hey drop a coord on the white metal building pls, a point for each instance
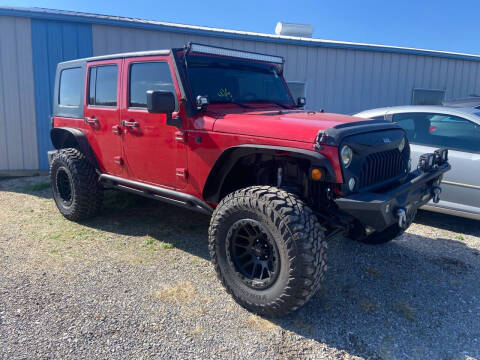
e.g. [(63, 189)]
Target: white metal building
[(340, 76)]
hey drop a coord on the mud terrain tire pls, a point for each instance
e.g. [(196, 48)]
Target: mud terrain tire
[(75, 186), (294, 235)]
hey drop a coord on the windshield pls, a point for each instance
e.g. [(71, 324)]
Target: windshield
[(236, 81)]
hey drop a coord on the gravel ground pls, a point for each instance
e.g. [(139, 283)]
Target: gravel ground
[(135, 282)]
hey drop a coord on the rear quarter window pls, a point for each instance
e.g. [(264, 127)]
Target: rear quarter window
[(71, 87)]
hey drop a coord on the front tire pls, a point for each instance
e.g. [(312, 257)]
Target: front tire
[(268, 249), (75, 186)]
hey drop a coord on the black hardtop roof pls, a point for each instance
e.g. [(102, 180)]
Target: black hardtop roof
[(117, 56)]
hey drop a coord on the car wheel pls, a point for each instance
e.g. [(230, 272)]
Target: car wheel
[(268, 249), (75, 186)]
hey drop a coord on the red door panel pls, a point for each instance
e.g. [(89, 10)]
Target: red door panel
[(155, 152), (102, 115)]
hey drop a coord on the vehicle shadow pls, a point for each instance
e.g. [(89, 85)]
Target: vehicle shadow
[(448, 222), (416, 297)]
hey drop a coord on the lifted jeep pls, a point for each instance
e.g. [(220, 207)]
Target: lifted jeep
[(216, 130)]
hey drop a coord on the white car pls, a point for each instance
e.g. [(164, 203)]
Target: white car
[(458, 129)]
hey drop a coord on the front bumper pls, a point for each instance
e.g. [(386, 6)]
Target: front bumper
[(379, 210)]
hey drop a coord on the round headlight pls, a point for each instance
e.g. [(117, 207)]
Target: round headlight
[(401, 146), (346, 154)]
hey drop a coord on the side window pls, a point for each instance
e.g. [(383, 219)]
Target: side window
[(440, 130), (455, 132), (148, 76), (407, 122), (71, 84), (102, 88)]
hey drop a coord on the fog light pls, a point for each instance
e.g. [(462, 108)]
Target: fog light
[(351, 184), (426, 161), (441, 156)]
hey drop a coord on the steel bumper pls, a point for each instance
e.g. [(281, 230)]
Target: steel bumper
[(379, 210)]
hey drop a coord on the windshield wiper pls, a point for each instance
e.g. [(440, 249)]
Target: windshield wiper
[(273, 102), (232, 102)]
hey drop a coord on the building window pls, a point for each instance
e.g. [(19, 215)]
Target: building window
[(428, 97), (71, 84), (148, 76), (103, 85)]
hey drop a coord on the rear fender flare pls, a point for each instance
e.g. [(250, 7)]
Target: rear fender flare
[(229, 158), (64, 137)]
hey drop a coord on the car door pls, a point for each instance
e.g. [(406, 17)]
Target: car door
[(102, 116), (155, 152), (430, 131)]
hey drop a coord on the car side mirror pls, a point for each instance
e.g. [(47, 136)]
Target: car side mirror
[(301, 102), (163, 102)]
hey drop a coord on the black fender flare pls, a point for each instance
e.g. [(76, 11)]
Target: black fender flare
[(230, 156), (63, 137)]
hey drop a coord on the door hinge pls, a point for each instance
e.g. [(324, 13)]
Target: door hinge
[(118, 160), (181, 173), (180, 137)]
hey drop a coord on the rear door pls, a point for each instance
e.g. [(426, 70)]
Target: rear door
[(430, 131), (155, 152), (102, 114)]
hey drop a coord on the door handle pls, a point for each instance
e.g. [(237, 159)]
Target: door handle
[(91, 120), (130, 123)]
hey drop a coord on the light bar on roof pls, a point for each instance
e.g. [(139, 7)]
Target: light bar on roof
[(235, 53)]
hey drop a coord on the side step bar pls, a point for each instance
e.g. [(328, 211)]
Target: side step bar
[(154, 192)]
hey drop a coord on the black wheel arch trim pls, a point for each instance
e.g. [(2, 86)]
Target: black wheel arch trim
[(59, 137), (230, 156)]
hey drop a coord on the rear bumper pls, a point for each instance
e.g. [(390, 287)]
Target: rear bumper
[(379, 209)]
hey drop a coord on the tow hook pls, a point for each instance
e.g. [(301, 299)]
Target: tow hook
[(436, 194), (402, 218)]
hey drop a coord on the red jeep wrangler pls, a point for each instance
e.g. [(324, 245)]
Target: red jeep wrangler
[(216, 130)]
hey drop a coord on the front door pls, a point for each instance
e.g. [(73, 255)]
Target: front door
[(155, 152), (102, 114)]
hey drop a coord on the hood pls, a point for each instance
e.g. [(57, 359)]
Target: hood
[(279, 124)]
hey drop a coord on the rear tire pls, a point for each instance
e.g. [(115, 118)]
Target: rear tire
[(278, 234), (75, 186)]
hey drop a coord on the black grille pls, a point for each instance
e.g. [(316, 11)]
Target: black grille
[(381, 166)]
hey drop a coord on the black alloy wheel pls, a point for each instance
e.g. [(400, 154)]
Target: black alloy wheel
[(252, 253)]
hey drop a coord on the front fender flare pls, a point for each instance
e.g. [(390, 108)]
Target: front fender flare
[(227, 160)]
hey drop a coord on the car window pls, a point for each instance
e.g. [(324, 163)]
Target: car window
[(102, 90), (440, 130), (148, 76), (71, 84)]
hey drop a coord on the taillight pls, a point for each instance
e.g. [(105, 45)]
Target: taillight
[(432, 128)]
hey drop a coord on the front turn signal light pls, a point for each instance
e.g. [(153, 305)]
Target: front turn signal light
[(316, 174)]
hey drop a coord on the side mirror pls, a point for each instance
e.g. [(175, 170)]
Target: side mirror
[(301, 102), (163, 102)]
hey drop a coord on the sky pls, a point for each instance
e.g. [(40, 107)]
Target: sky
[(428, 24)]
